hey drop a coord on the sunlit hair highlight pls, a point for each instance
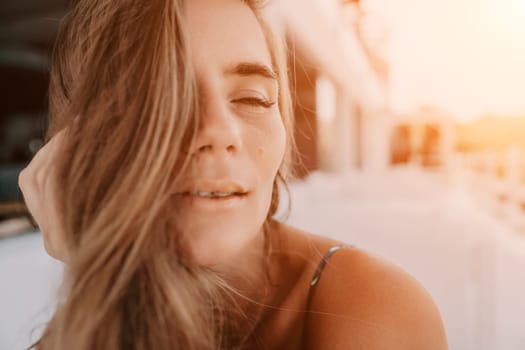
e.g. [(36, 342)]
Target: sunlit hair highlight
[(123, 90)]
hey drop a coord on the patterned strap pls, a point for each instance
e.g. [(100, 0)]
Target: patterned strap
[(322, 264)]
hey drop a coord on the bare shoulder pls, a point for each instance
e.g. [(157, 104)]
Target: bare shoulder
[(364, 302)]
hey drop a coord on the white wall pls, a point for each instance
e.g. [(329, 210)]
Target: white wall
[(28, 281)]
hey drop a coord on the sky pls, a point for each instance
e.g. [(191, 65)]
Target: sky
[(465, 56)]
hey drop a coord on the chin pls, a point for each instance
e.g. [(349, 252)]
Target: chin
[(217, 246)]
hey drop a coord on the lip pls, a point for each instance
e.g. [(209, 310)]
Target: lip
[(209, 185), (189, 196), (196, 202)]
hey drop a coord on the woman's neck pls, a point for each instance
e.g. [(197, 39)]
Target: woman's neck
[(248, 271)]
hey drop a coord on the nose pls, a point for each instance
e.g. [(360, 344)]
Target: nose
[(219, 129)]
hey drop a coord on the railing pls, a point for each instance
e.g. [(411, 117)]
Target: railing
[(497, 180)]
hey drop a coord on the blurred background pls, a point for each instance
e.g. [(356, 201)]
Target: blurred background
[(410, 125)]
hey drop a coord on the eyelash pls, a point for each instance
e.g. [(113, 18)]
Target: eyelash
[(255, 101)]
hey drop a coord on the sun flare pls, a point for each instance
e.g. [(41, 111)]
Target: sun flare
[(509, 15)]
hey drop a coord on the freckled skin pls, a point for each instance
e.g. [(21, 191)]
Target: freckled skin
[(239, 141)]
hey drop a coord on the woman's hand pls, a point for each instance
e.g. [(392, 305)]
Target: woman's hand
[(39, 185)]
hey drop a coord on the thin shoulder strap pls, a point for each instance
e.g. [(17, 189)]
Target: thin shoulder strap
[(317, 274)]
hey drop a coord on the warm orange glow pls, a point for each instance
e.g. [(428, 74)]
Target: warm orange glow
[(491, 133), (464, 56)]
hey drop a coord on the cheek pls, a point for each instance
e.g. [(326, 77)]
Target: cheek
[(271, 149)]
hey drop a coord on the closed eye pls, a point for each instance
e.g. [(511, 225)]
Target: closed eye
[(255, 101)]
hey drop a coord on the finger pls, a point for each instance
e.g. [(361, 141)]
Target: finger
[(39, 170), (36, 180), (49, 150)]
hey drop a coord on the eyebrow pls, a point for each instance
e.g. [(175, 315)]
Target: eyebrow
[(252, 68)]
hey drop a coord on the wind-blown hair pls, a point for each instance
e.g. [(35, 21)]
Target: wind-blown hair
[(123, 89)]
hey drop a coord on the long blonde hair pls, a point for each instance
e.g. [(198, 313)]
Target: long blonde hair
[(122, 86)]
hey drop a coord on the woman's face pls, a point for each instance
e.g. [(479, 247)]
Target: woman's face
[(240, 144)]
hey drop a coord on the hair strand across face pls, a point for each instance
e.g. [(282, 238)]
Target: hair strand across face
[(123, 86)]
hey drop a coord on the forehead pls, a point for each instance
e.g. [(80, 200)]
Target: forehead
[(224, 32)]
